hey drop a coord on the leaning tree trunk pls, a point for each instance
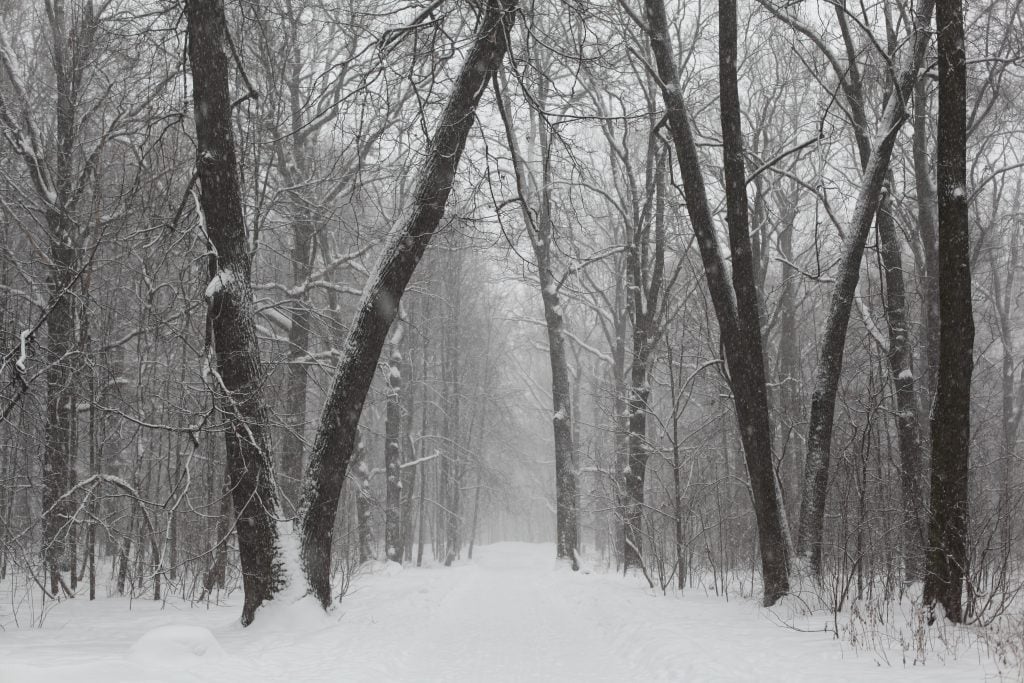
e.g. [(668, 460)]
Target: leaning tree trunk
[(833, 341), (898, 351), (332, 447), (951, 414), (746, 368), (239, 378)]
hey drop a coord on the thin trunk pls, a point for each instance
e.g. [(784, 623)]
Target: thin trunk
[(902, 374), (541, 233), (364, 502), (833, 341), (297, 377), (393, 457), (476, 515), (927, 227)]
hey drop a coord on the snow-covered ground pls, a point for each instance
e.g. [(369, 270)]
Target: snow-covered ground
[(509, 615)]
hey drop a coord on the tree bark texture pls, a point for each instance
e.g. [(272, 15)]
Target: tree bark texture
[(951, 416)]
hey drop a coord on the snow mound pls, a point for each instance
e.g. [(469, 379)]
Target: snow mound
[(177, 643)]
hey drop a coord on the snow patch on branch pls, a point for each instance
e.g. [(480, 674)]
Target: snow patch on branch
[(222, 279), (19, 364)]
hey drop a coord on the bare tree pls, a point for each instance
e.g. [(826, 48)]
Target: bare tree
[(951, 414)]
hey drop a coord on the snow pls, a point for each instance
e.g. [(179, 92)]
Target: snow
[(23, 355), (218, 282), (176, 643), (510, 614), (905, 373)]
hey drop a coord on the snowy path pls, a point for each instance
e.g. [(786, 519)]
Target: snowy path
[(507, 616)]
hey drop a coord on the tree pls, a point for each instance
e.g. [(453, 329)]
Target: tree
[(239, 371), (332, 447), (951, 413), (239, 377), (535, 201), (833, 339), (735, 305)]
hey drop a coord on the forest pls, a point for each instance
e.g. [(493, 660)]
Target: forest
[(694, 298)]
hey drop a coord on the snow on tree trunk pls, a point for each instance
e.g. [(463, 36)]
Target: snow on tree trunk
[(951, 414), (332, 447)]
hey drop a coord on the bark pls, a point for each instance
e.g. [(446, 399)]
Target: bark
[(239, 377), (833, 341), (746, 369), (332, 447), (951, 424)]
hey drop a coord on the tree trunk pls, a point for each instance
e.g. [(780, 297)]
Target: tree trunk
[(239, 378), (60, 400), (364, 502), (332, 447), (746, 368), (393, 457), (901, 371), (833, 341), (951, 423), (541, 233), (927, 227)]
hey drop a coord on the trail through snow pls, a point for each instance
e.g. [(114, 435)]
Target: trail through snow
[(509, 615)]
